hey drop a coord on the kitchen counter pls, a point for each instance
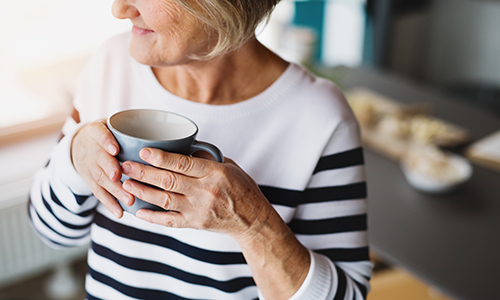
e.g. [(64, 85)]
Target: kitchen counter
[(450, 241)]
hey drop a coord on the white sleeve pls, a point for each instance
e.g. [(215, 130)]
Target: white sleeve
[(62, 164), (332, 222), (317, 284)]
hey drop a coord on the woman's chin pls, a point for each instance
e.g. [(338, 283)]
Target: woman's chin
[(145, 57), (140, 55)]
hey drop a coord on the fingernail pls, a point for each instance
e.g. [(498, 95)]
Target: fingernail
[(113, 174), (117, 213), (145, 153), (126, 168), (112, 149), (130, 200)]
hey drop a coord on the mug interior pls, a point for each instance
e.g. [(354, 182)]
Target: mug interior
[(153, 124)]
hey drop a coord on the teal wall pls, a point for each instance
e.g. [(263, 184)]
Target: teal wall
[(311, 14)]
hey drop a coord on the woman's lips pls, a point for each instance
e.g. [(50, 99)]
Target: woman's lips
[(141, 31)]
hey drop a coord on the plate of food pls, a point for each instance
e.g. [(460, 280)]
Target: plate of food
[(434, 171), (393, 128)]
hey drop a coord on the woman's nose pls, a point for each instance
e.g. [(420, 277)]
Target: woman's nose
[(124, 9)]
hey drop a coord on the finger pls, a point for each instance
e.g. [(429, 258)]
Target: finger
[(170, 219), (163, 179), (104, 137), (110, 165), (107, 200), (166, 200), (183, 164), (113, 188)]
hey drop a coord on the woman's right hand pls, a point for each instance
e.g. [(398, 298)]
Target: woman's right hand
[(93, 151)]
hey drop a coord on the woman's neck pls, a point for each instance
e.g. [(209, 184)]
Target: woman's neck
[(229, 79)]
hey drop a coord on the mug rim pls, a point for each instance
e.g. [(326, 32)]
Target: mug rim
[(111, 127)]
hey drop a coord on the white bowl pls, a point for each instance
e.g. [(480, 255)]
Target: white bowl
[(433, 185)]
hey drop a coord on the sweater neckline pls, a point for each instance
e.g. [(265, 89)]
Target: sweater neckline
[(220, 113)]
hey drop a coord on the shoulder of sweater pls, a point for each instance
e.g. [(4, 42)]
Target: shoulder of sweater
[(321, 97)]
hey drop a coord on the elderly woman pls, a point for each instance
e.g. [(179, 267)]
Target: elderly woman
[(283, 218)]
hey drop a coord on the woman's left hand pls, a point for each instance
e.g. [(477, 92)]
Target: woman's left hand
[(197, 193)]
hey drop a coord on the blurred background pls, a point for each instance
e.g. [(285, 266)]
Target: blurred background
[(451, 45)]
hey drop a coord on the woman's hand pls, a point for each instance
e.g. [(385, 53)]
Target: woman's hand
[(204, 194), (92, 150), (197, 193)]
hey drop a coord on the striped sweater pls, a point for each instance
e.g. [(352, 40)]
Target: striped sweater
[(298, 140)]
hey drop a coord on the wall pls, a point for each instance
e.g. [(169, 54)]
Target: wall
[(464, 43), (317, 31), (449, 42)]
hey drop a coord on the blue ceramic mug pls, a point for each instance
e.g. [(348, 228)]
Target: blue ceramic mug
[(136, 129)]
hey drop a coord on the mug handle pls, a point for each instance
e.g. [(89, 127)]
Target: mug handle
[(211, 149)]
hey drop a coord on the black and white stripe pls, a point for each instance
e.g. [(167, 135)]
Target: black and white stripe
[(328, 219)]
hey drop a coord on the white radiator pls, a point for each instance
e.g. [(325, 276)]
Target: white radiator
[(22, 253)]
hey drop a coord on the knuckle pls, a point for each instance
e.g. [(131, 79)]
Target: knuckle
[(100, 132), (167, 181), (100, 178), (166, 201), (204, 224), (184, 163), (94, 126), (107, 135), (169, 222), (221, 172), (141, 174), (89, 126), (215, 194), (221, 175)]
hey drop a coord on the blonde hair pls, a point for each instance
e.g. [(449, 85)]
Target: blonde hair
[(234, 21)]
